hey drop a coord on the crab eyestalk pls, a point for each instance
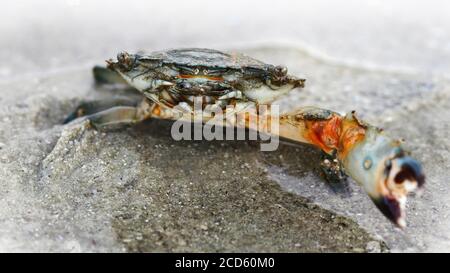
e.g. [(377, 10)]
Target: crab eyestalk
[(378, 163), (125, 62), (279, 77)]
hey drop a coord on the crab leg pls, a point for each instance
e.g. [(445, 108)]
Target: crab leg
[(114, 112), (93, 107), (120, 115)]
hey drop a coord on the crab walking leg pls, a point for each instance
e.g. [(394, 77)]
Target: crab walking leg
[(120, 115), (93, 107), (99, 117)]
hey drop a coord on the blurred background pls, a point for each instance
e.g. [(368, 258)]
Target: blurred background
[(401, 34), (388, 60)]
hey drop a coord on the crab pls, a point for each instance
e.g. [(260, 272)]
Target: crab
[(171, 81)]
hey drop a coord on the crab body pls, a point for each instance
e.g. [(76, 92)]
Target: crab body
[(177, 76)]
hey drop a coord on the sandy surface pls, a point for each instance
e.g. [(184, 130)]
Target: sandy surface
[(68, 188)]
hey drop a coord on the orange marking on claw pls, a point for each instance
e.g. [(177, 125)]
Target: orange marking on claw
[(352, 133), (324, 133)]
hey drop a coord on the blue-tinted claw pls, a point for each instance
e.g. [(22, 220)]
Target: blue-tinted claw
[(402, 175), (387, 174)]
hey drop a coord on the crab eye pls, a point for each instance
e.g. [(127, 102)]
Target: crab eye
[(125, 60), (281, 70), (122, 57)]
